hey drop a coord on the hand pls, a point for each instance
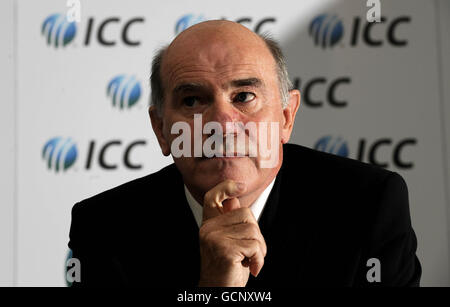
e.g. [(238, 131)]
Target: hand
[(231, 243)]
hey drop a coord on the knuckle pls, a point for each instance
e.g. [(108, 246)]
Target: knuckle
[(255, 245), (247, 211), (258, 258), (264, 249), (252, 231), (245, 214)]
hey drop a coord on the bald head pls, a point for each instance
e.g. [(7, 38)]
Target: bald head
[(216, 43), (215, 34), (215, 29)]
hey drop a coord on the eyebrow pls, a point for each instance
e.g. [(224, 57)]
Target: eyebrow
[(246, 82), (192, 86), (187, 87)]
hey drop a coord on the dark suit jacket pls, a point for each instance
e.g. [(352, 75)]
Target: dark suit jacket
[(325, 217)]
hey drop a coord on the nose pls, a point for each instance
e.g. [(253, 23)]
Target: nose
[(221, 111)]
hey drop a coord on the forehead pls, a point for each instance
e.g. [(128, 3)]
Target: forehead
[(217, 59)]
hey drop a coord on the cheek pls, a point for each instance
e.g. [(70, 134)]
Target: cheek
[(270, 118), (170, 121), (183, 132)]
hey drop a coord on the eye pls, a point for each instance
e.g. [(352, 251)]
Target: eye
[(190, 101), (244, 97)]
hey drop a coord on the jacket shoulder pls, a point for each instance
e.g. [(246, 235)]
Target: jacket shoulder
[(130, 193), (325, 166)]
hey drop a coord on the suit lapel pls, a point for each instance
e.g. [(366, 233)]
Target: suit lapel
[(287, 232)]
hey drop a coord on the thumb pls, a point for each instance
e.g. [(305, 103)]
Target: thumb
[(213, 199)]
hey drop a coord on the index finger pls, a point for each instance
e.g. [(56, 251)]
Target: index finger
[(212, 201)]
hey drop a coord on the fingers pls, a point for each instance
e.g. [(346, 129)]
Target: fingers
[(247, 232), (252, 244), (231, 243), (237, 216), (212, 203), (224, 190), (249, 245), (254, 256)]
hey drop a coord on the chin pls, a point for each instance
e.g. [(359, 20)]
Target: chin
[(212, 171)]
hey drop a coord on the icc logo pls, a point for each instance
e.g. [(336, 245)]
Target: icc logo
[(58, 31), (370, 151), (326, 30), (60, 153), (186, 21), (124, 91), (332, 145)]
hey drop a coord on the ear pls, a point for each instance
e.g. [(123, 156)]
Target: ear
[(289, 115), (157, 125)]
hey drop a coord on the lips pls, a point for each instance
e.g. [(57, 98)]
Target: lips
[(222, 152), (223, 156), (228, 146)]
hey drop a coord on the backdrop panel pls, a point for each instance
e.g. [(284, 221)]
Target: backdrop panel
[(370, 91), (443, 9), (7, 133)]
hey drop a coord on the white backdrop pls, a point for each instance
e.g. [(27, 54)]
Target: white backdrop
[(354, 93), (7, 132), (443, 7)]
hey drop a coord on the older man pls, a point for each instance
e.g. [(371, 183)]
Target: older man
[(307, 219)]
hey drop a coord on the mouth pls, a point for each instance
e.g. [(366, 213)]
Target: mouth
[(225, 157), (221, 152)]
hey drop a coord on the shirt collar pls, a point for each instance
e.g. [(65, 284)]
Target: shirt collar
[(257, 207)]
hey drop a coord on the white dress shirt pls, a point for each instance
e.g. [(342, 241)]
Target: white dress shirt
[(257, 207)]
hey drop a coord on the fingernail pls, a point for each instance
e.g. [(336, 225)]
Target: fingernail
[(240, 185)]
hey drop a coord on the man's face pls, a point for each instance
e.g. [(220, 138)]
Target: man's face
[(226, 75)]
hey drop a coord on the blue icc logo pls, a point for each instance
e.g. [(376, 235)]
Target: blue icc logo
[(186, 21), (336, 146), (326, 30), (60, 153), (58, 31), (124, 91)]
